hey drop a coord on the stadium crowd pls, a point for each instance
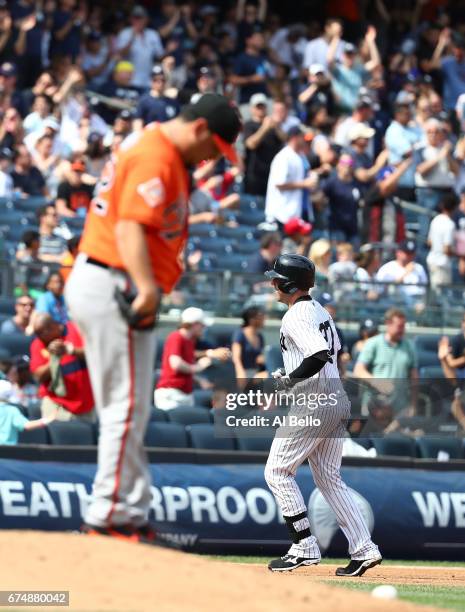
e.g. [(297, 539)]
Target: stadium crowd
[(352, 151)]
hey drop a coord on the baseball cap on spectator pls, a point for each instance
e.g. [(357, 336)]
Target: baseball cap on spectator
[(458, 40), (208, 9), (257, 99), (6, 153), (94, 137), (8, 69), (78, 166), (360, 130), (295, 130), (205, 71), (384, 173), (349, 48), (404, 98), (94, 36), (408, 246), (297, 226), (157, 70), (223, 119), (368, 326), (326, 299), (51, 123), (139, 12), (317, 69), (124, 66), (6, 390), (193, 315), (125, 115)]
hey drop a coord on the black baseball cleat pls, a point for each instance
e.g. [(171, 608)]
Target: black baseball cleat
[(358, 568), (290, 562)]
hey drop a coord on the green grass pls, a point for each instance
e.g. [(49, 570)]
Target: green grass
[(452, 598), (264, 560)]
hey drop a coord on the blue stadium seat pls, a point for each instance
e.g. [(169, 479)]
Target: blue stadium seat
[(429, 447), (253, 444), (365, 442), (15, 344), (202, 435), (15, 232), (166, 435), (431, 372), (396, 445), (33, 410), (188, 416), (7, 305), (72, 433), (11, 216), (158, 416), (32, 203), (247, 247), (427, 358), (241, 232), (34, 436), (273, 358), (427, 343), (233, 263), (203, 397), (202, 229)]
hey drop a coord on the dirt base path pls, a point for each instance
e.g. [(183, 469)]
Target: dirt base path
[(104, 574)]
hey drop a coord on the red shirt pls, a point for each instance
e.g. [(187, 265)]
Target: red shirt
[(177, 344), (79, 399)]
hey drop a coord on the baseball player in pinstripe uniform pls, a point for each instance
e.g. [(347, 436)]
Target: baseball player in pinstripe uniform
[(309, 345)]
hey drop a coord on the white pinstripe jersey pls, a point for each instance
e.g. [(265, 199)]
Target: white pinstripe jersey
[(307, 328)]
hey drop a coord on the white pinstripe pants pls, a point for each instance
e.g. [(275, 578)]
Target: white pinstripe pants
[(324, 455)]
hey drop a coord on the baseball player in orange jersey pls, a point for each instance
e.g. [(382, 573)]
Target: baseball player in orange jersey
[(131, 251)]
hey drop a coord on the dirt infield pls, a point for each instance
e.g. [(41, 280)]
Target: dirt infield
[(103, 574)]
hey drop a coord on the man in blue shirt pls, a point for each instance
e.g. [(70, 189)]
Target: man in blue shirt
[(155, 106), (251, 69), (52, 301), (452, 66)]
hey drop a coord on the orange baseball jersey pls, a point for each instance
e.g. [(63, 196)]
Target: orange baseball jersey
[(146, 182)]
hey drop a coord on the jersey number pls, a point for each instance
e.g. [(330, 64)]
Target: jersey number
[(330, 340)]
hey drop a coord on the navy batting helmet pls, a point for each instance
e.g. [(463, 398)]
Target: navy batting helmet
[(293, 272)]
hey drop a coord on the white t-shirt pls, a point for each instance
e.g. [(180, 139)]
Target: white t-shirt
[(287, 167), (440, 175), (145, 49), (441, 234), (392, 270)]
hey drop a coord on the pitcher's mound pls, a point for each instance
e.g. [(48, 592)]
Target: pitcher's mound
[(105, 574)]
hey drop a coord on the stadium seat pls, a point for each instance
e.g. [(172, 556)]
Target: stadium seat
[(396, 445), (158, 416), (32, 203), (7, 305), (232, 263), (188, 415), (241, 232), (33, 410), (365, 442), (431, 372), (34, 436), (202, 229), (15, 232), (247, 247), (251, 217), (15, 344), (72, 433), (166, 435), (273, 358), (427, 343), (253, 444), (429, 447), (203, 397), (202, 435), (427, 358)]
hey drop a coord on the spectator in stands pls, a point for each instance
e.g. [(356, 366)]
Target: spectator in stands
[(97, 60), (362, 113), (28, 270), (73, 195), (343, 195), (52, 245), (6, 182), (289, 182), (250, 69), (249, 18), (247, 345), (263, 139), (176, 24), (441, 239), (318, 92), (329, 303), (121, 94), (348, 76), (270, 247), (24, 389), (367, 330), (67, 25), (320, 254), (401, 137), (52, 301), (20, 322), (344, 268), (452, 354), (155, 105), (316, 51), (180, 361), (140, 45), (210, 201), (13, 421), (459, 219), (406, 272), (389, 355), (297, 236), (13, 97), (368, 261), (365, 167), (58, 364), (11, 130), (27, 179), (452, 66), (69, 257), (41, 109)]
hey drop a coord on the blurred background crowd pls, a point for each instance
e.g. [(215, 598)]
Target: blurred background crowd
[(352, 152)]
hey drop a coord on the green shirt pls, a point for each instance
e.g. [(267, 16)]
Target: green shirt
[(11, 422), (388, 360)]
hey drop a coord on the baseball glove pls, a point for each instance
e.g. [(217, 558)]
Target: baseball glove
[(135, 320)]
